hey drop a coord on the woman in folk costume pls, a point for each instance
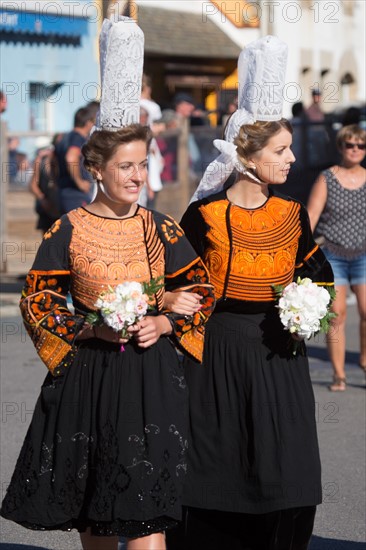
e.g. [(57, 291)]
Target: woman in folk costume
[(106, 449), (253, 477)]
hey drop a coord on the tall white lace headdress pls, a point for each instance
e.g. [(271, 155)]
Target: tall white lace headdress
[(261, 73), (121, 46)]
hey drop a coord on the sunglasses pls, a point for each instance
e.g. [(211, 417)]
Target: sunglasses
[(349, 145)]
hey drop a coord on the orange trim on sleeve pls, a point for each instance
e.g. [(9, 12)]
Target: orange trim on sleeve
[(56, 272), (183, 268), (307, 256), (311, 252)]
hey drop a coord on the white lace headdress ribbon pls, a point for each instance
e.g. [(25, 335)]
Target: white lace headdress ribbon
[(218, 171), (261, 73), (121, 46)]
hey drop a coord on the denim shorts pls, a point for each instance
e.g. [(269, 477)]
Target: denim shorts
[(347, 271)]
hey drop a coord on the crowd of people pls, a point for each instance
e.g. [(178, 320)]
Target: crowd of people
[(314, 146), (220, 447)]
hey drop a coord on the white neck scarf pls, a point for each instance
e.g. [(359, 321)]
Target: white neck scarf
[(218, 171)]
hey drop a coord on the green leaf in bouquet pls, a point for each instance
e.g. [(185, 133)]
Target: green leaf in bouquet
[(332, 292), (296, 347), (325, 322), (94, 318), (153, 286), (278, 289), (124, 333)]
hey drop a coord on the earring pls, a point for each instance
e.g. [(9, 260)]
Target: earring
[(254, 168)]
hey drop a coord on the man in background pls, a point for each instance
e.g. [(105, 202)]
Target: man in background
[(314, 113), (74, 182), (153, 108), (184, 106)]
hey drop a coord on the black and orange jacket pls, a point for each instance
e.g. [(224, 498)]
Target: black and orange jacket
[(82, 254), (248, 251)]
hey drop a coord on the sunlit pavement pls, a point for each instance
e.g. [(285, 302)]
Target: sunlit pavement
[(340, 420)]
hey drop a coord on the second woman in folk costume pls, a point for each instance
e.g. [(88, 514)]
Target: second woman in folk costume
[(106, 449), (253, 476)]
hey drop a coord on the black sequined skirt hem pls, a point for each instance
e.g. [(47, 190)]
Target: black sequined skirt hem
[(121, 528)]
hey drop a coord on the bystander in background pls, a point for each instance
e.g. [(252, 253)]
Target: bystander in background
[(318, 142), (167, 144), (24, 170), (230, 109), (43, 185), (153, 108), (337, 207), (74, 183), (153, 184), (184, 106), (3, 102), (314, 112)]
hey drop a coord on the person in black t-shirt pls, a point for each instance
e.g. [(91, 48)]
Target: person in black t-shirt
[(74, 182)]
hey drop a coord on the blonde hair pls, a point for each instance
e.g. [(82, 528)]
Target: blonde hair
[(349, 132)]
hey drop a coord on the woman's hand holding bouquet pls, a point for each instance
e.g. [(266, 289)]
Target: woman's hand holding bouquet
[(304, 308), (121, 314)]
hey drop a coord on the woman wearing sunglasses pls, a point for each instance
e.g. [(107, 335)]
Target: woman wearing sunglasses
[(337, 207)]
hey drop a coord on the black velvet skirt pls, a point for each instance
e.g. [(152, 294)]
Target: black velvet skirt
[(253, 444), (107, 445)]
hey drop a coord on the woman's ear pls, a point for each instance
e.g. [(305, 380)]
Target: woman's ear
[(96, 173), (250, 164)]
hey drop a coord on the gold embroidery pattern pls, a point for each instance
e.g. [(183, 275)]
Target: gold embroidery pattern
[(106, 252), (48, 321), (189, 329), (55, 227), (51, 350), (172, 231), (156, 253), (264, 247)]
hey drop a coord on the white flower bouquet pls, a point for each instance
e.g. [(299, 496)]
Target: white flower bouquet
[(304, 307), (124, 305)]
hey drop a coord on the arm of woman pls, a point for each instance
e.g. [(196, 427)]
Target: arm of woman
[(317, 200), (185, 303), (50, 324), (194, 228), (310, 259), (148, 331), (34, 182), (186, 273)]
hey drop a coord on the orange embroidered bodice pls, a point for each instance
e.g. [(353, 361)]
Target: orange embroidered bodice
[(250, 250), (106, 251)]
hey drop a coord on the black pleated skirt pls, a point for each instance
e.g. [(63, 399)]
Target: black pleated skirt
[(253, 441), (107, 444)]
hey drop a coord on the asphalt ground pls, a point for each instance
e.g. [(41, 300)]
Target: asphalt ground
[(340, 520)]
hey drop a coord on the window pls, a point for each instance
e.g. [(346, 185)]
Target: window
[(39, 93)]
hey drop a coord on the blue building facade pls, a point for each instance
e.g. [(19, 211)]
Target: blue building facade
[(49, 65)]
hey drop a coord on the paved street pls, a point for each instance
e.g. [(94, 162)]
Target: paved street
[(340, 417)]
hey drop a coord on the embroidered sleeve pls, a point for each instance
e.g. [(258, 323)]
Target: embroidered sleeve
[(310, 259), (50, 324), (194, 227), (185, 271)]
